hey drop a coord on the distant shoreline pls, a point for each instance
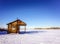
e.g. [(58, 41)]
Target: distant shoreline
[(49, 28)]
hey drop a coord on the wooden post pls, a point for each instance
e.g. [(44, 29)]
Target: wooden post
[(25, 28), (19, 29)]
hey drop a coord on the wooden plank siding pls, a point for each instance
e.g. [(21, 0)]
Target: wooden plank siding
[(13, 27)]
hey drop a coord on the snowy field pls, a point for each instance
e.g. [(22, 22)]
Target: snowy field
[(32, 37)]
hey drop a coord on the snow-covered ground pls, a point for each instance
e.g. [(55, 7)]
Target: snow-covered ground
[(32, 37)]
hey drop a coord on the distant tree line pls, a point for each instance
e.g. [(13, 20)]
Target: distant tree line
[(49, 28), (3, 29)]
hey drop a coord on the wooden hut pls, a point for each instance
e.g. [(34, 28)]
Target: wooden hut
[(14, 27)]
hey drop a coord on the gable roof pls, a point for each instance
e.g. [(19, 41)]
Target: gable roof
[(18, 20)]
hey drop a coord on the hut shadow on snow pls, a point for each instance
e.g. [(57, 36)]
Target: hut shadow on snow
[(30, 32), (22, 32)]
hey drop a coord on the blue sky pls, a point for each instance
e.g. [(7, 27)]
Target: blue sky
[(36, 13)]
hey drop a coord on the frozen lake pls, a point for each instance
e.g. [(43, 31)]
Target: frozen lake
[(32, 37)]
